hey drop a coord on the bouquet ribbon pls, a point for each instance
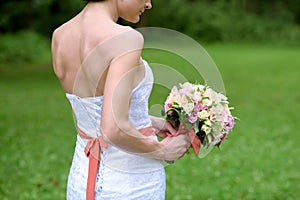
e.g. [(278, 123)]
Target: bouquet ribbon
[(195, 141), (93, 152)]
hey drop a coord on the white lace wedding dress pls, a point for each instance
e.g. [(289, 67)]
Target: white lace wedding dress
[(121, 176)]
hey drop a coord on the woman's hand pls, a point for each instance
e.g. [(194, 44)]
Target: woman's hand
[(162, 127), (178, 145)]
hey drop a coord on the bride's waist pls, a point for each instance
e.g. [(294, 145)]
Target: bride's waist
[(118, 159)]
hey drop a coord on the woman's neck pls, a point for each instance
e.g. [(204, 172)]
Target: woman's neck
[(104, 10)]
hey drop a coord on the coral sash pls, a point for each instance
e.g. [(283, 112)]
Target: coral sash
[(93, 152)]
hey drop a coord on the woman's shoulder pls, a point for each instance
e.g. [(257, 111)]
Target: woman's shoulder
[(67, 30), (120, 29), (121, 33), (116, 40), (125, 39), (131, 35)]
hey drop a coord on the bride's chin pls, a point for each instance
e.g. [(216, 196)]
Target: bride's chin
[(134, 20)]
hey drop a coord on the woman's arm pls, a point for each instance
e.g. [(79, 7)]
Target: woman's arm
[(124, 73)]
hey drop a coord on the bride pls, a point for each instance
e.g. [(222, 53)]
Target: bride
[(98, 63)]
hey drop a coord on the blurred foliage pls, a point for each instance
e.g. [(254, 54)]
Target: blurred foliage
[(233, 20), (24, 46), (207, 20), (42, 16)]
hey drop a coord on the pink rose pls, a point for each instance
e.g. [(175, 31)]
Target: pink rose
[(199, 107), (193, 117), (229, 124)]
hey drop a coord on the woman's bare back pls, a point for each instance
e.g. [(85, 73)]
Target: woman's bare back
[(83, 49)]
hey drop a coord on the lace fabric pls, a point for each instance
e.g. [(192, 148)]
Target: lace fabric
[(113, 183)]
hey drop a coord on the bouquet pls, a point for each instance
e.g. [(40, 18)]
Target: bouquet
[(202, 108)]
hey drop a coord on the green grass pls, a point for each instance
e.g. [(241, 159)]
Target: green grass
[(260, 160)]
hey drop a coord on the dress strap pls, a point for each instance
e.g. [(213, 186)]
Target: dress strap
[(93, 152)]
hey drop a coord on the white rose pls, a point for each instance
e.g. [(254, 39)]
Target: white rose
[(198, 87), (222, 97), (206, 129), (197, 96), (207, 122), (206, 102), (203, 114)]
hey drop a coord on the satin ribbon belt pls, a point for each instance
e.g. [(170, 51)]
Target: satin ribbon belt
[(93, 152)]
